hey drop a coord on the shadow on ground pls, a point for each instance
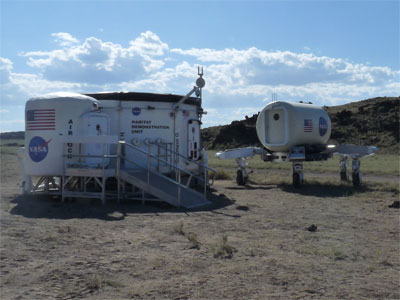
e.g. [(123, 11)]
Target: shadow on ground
[(309, 189), (252, 187), (325, 189), (42, 206)]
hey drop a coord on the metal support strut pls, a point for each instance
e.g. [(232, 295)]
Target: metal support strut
[(356, 172), (242, 174), (298, 177), (343, 163)]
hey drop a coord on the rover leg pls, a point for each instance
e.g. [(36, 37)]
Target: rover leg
[(356, 173), (343, 167), (242, 174), (298, 177)]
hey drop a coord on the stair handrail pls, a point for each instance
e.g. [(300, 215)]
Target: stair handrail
[(157, 173), (161, 160), (191, 161), (120, 155)]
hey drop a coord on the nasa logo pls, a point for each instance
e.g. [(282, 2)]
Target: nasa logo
[(38, 148), (136, 111), (323, 126)]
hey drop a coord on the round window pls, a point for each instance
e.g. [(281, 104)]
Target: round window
[(276, 117)]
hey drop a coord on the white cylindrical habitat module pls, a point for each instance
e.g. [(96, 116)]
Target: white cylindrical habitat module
[(49, 119), (281, 125)]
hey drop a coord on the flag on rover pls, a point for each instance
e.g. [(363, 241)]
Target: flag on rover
[(307, 125), (41, 119)]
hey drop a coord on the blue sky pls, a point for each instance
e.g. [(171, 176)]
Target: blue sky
[(328, 52)]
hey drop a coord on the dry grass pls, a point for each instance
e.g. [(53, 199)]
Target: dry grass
[(178, 228), (83, 250), (194, 241), (222, 249), (223, 175), (381, 164)]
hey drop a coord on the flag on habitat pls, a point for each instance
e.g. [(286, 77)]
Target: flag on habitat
[(307, 125), (41, 119)]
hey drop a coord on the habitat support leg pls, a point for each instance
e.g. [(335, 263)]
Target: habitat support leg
[(298, 177), (119, 190), (103, 190), (343, 167), (63, 183), (242, 174), (26, 184), (356, 172)]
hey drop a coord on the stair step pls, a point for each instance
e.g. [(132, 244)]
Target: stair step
[(161, 187)]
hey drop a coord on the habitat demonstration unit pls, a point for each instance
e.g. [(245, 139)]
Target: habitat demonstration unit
[(121, 145), (297, 132)]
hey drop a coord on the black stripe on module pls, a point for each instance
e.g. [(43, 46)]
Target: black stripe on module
[(150, 97)]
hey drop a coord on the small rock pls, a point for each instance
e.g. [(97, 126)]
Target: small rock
[(243, 207), (312, 228), (395, 204)]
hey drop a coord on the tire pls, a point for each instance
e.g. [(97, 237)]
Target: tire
[(356, 179), (296, 180), (240, 179), (343, 176)]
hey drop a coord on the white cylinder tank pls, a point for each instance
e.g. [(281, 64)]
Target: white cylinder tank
[(48, 120), (281, 125)]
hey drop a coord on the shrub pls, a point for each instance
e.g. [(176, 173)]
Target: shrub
[(222, 249), (178, 228), (192, 238)]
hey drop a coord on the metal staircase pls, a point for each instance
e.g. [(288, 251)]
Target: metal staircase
[(174, 189), (162, 188), (151, 177)]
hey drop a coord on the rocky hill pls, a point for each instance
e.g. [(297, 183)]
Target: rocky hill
[(369, 122)]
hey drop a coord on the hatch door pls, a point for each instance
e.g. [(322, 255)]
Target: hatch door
[(275, 133), (97, 125)]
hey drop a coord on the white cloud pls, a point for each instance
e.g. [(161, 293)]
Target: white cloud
[(148, 43), (98, 62), (5, 69), (64, 39), (258, 67), (237, 81)]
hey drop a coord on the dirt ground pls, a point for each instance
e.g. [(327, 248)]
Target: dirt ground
[(83, 250)]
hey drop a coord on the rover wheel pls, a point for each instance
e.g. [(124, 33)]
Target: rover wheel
[(240, 179), (343, 176), (296, 180), (356, 179)]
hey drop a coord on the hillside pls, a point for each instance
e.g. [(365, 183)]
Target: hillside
[(14, 135), (369, 122)]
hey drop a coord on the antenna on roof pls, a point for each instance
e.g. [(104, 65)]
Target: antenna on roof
[(200, 71), (274, 96), (200, 83)]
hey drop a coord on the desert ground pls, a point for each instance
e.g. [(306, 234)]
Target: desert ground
[(251, 243)]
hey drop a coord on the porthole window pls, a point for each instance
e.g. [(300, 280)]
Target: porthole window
[(276, 117)]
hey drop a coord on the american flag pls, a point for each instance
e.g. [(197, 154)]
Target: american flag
[(185, 113), (307, 125), (41, 119)]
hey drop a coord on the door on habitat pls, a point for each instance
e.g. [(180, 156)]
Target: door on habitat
[(194, 139), (97, 125)]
